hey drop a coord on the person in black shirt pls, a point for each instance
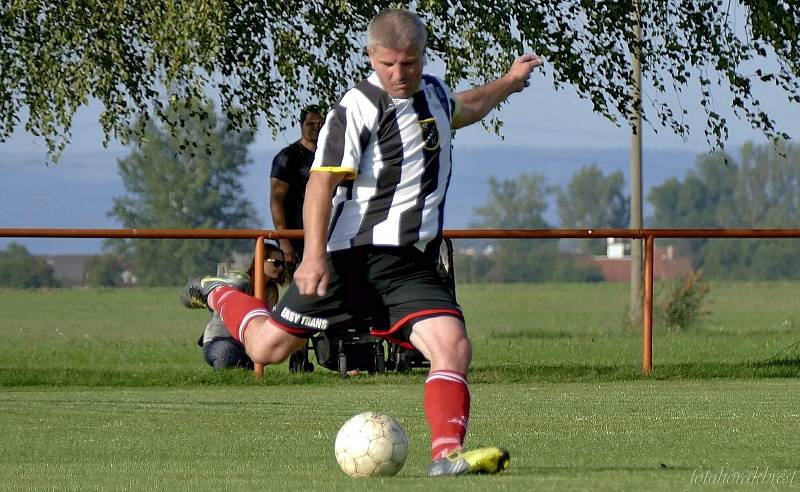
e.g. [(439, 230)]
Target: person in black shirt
[(288, 178)]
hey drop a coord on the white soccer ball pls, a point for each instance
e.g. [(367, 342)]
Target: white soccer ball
[(371, 445)]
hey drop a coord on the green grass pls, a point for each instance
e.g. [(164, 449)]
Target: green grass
[(106, 390), (608, 436)]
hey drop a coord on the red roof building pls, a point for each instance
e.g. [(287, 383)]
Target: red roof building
[(616, 267)]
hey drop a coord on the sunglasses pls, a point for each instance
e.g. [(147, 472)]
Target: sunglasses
[(277, 263)]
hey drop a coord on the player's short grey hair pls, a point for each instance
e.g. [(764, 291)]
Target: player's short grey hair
[(397, 29)]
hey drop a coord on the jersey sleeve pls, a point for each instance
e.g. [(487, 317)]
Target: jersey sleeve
[(453, 104), (280, 166), (342, 139), (447, 99)]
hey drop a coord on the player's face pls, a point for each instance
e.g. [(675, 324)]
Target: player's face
[(310, 127), (398, 70)]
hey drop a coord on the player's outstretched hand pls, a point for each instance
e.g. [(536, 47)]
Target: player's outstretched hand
[(521, 69), (311, 277)]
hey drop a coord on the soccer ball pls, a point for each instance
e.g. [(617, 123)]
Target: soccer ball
[(371, 445)]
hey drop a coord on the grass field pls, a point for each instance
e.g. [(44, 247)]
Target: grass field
[(106, 390)]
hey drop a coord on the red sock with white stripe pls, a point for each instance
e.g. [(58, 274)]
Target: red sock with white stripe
[(446, 403), (236, 309)]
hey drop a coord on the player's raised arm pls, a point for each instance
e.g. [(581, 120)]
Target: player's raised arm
[(473, 104)]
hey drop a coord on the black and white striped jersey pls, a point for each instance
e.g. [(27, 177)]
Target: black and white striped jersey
[(396, 154)]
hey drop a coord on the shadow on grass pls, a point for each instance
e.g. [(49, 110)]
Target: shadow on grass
[(573, 470), (531, 334), (507, 373), (775, 368)]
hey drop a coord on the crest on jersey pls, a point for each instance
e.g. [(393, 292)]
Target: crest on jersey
[(430, 134)]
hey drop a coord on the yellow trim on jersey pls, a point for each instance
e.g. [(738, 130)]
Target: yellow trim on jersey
[(331, 169)]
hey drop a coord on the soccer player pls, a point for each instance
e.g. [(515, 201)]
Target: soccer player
[(384, 157), (288, 179)]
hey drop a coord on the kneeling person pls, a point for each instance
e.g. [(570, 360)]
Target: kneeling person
[(220, 349)]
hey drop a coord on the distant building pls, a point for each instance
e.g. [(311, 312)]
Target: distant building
[(615, 266), (72, 270), (69, 270), (617, 248), (128, 278)]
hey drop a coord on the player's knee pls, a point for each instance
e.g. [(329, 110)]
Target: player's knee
[(268, 353), (464, 349), (444, 342), (461, 352), (273, 349), (453, 354)]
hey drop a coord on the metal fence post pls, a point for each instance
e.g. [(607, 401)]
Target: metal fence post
[(647, 308), (258, 289)]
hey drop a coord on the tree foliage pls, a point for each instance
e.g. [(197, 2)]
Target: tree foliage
[(19, 269), (268, 57), (520, 204), (592, 200), (760, 189), (515, 204), (104, 271), (172, 184)]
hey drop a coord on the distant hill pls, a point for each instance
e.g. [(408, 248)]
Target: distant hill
[(79, 190)]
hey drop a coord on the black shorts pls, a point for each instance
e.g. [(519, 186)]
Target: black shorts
[(391, 287)]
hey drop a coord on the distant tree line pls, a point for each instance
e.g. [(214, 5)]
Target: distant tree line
[(21, 270), (759, 189), (590, 200), (520, 204), (170, 185)]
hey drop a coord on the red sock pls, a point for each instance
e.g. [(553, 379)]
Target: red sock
[(236, 309), (446, 403)]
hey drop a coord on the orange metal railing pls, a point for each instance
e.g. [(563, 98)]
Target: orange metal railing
[(648, 235)]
